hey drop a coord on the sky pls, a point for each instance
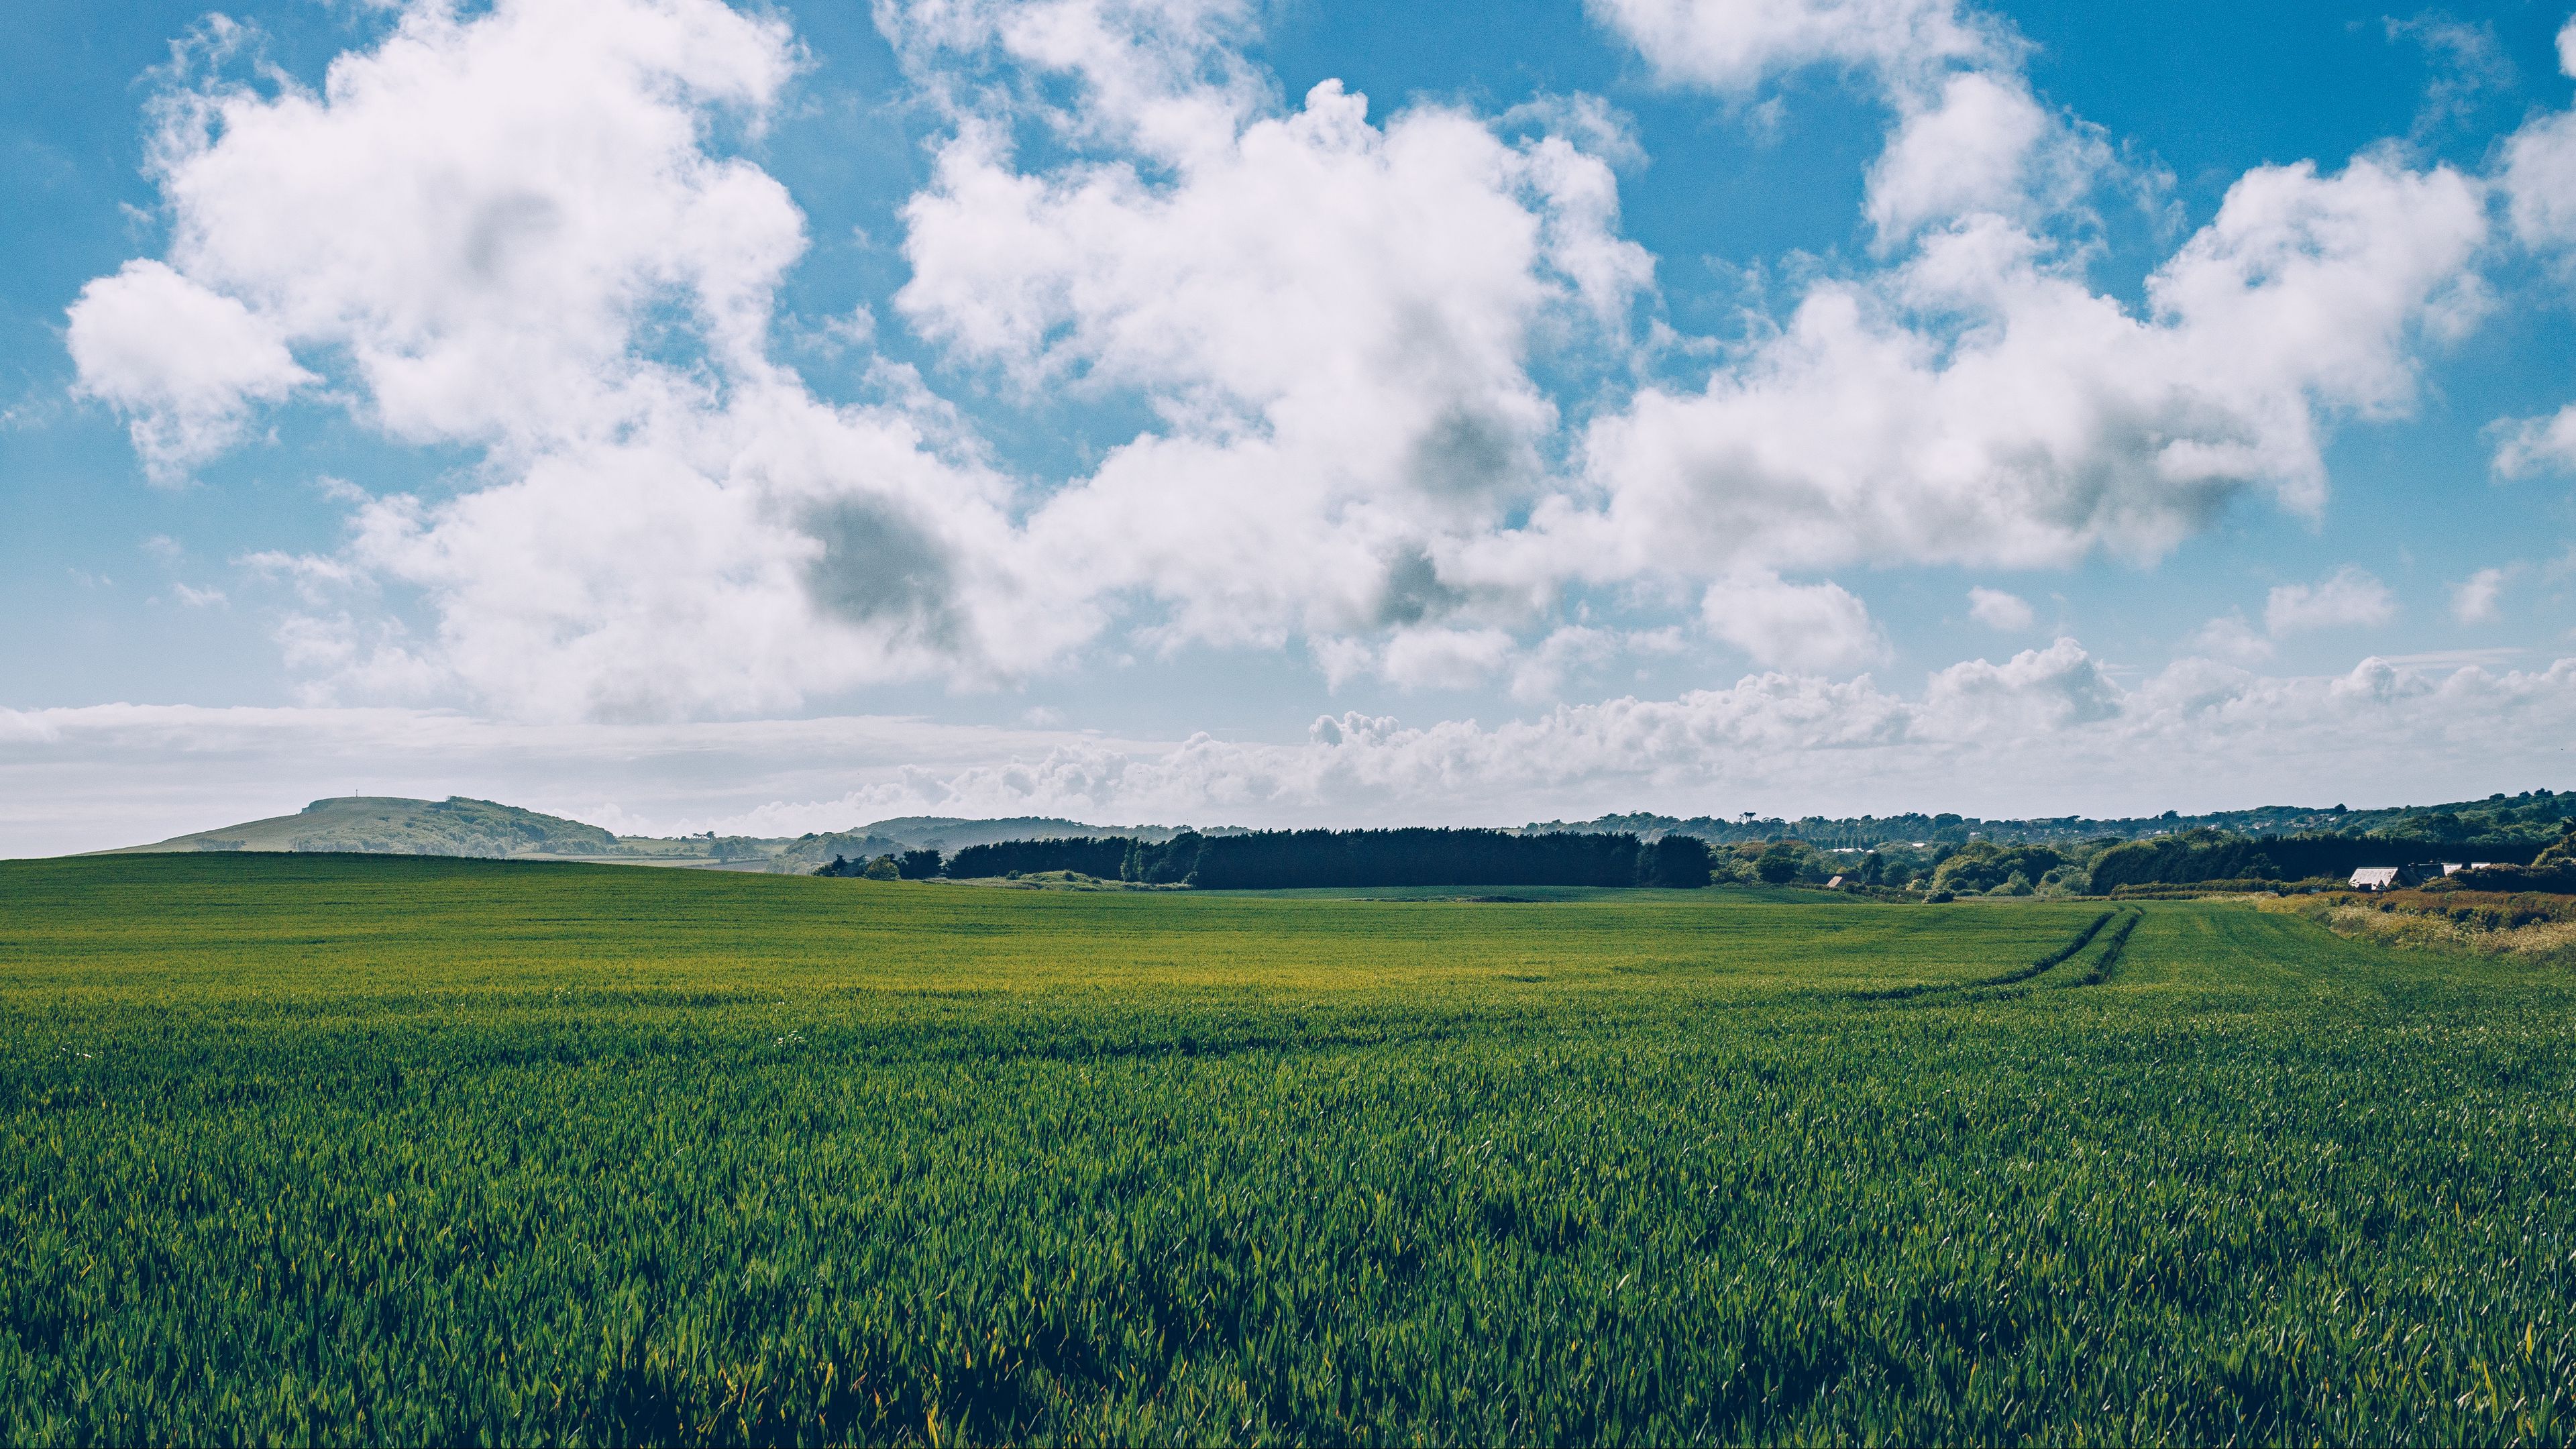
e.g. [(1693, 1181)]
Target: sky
[(769, 418)]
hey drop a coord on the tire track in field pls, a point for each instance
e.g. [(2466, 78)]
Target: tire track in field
[(2112, 951), (2014, 977), (2053, 959)]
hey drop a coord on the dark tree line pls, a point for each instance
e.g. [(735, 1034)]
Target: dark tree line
[(1286, 859), (1100, 855), (2178, 860)]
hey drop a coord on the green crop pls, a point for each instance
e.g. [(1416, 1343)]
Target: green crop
[(432, 1151)]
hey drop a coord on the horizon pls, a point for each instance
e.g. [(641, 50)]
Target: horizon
[(1748, 821), (1282, 415)]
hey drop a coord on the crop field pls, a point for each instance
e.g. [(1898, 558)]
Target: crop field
[(335, 1150)]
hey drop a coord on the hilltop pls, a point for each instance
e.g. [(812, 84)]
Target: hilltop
[(457, 826), (390, 825)]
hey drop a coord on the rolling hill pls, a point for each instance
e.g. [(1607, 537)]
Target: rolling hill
[(388, 825)]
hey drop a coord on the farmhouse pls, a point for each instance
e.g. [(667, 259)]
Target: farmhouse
[(2398, 877)]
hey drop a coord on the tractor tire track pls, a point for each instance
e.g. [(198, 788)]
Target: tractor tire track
[(2112, 951), (2014, 977)]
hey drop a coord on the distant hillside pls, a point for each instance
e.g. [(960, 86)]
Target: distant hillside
[(2533, 816), (386, 825)]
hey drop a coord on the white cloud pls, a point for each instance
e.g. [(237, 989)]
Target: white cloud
[(2465, 58), (2535, 445), (1541, 674), (1982, 144), (1999, 610), (1420, 658), (1976, 406), (2538, 179), (1978, 402), (2034, 692), (2347, 598), (184, 362), (477, 210), (2230, 639), (518, 231), (2474, 599), (511, 231), (507, 227), (1734, 47), (1334, 322), (1821, 627), (2041, 733)]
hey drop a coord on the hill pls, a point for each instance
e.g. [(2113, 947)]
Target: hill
[(389, 825)]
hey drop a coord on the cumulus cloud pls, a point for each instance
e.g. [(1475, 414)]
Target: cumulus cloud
[(2474, 599), (1999, 610), (1879, 426), (185, 363), (1333, 320), (511, 231), (2538, 179), (1978, 402), (2539, 174), (2349, 597), (516, 231), (2231, 639), (527, 232), (1735, 48), (2537, 445), (1820, 627), (1981, 143)]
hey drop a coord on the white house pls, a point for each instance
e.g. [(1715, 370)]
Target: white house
[(2399, 877)]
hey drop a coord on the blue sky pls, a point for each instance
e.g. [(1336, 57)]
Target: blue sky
[(692, 417)]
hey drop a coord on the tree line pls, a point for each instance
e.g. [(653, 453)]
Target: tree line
[(1289, 859), (1286, 859)]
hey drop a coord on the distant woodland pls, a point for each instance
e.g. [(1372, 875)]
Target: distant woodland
[(2520, 843)]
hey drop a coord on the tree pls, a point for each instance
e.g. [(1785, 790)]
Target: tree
[(1675, 862), (882, 868), (1780, 864)]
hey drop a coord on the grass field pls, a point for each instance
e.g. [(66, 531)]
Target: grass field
[(414, 1150)]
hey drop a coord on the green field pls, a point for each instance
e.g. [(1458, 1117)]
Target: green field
[(420, 1150)]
